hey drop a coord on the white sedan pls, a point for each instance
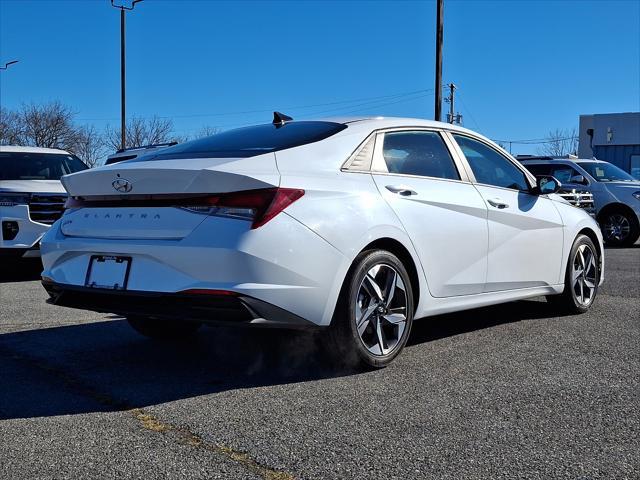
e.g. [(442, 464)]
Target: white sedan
[(356, 226)]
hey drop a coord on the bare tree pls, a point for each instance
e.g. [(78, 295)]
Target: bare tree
[(89, 145), (140, 132), (49, 125), (560, 142), (10, 127), (204, 131)]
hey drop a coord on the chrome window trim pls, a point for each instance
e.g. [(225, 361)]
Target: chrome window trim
[(379, 166)]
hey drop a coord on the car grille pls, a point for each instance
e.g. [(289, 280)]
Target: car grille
[(45, 208), (579, 198)]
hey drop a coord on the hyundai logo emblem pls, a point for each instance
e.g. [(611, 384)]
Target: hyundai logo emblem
[(122, 185)]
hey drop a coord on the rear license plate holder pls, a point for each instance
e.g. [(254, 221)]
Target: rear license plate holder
[(108, 271)]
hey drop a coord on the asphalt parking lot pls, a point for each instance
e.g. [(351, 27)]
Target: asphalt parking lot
[(511, 391)]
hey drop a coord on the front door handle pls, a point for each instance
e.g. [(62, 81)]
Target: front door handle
[(401, 190), (497, 202)]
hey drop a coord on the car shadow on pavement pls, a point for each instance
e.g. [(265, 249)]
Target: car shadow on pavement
[(106, 366), (25, 270)]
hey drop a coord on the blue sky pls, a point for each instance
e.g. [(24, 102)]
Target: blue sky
[(522, 67)]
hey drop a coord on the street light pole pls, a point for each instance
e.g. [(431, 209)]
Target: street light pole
[(439, 37), (6, 65), (123, 115)]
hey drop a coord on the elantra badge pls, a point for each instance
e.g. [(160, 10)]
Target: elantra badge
[(122, 185)]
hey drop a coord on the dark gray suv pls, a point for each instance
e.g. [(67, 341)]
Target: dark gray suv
[(616, 194)]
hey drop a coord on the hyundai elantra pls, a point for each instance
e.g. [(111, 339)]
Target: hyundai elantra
[(351, 226)]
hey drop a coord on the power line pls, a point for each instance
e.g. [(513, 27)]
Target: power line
[(299, 107), (464, 105), (367, 106), (536, 141)]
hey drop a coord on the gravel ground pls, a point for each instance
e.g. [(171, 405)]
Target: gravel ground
[(511, 391)]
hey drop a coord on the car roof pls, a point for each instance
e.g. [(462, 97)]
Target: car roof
[(20, 149), (375, 123)]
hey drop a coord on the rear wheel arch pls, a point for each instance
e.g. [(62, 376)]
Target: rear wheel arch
[(399, 250)]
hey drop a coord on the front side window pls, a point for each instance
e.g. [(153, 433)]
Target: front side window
[(489, 167), (418, 153), (38, 166), (563, 173)]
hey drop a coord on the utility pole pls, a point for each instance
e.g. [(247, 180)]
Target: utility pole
[(452, 117), (439, 38), (123, 116), (451, 114)]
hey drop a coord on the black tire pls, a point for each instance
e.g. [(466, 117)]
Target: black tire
[(620, 228), (163, 329), (569, 300), (343, 340)]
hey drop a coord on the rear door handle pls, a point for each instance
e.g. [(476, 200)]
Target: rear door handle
[(401, 190), (497, 202)]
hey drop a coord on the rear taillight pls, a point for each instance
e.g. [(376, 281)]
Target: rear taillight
[(259, 206)]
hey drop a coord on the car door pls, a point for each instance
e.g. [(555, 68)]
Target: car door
[(525, 230), (439, 208)]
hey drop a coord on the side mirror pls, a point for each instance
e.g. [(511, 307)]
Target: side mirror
[(547, 184), (578, 179)]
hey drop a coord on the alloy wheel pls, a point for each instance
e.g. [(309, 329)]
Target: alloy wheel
[(616, 227), (381, 309), (584, 275)]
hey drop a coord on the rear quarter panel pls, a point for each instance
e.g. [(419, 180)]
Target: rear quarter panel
[(344, 208)]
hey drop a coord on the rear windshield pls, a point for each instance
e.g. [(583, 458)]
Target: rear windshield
[(250, 141), (38, 166)]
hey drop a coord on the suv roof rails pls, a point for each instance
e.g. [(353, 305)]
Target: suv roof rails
[(568, 156), (534, 157), (153, 145)]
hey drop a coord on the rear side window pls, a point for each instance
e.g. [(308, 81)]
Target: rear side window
[(538, 169), (250, 141), (418, 153), (38, 166), (563, 173)]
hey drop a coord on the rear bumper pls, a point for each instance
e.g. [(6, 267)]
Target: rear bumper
[(282, 263), (239, 310)]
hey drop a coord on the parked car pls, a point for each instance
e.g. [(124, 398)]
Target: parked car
[(352, 225), (616, 194), (31, 195), (135, 152)]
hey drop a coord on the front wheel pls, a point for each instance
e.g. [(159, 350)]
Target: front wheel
[(374, 315), (581, 279), (163, 329), (620, 229)]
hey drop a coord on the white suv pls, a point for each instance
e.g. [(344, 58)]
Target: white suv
[(31, 195)]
